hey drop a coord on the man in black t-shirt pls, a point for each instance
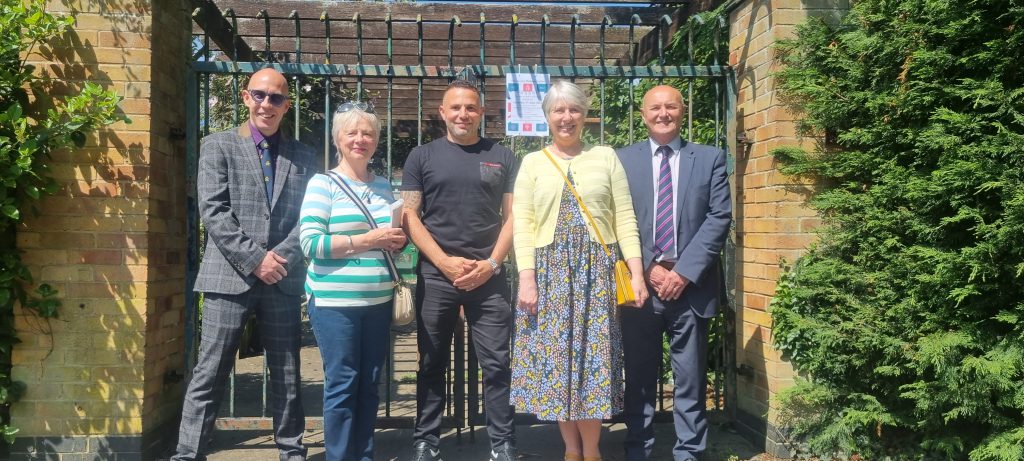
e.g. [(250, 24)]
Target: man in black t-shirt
[(458, 200)]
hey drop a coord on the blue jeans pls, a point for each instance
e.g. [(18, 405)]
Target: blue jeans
[(353, 343)]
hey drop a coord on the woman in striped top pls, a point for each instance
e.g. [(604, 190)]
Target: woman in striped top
[(350, 289)]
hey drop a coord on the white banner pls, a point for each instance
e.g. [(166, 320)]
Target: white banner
[(523, 95)]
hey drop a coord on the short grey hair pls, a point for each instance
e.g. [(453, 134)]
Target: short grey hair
[(345, 120), (564, 90)]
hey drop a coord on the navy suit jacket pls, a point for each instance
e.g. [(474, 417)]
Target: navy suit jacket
[(703, 215)]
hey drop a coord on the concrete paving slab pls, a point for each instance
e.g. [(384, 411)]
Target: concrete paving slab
[(539, 442)]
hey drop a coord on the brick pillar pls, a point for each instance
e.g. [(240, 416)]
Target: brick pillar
[(112, 241), (772, 221)]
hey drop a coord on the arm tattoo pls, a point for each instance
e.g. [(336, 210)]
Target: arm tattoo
[(413, 200)]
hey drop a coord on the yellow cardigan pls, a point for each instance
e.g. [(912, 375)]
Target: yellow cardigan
[(601, 182)]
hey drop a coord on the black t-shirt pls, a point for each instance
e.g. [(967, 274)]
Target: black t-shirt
[(462, 189)]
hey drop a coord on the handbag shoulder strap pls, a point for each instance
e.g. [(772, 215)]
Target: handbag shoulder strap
[(369, 218), (352, 196), (579, 201)]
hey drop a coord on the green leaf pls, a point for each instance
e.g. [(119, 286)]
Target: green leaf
[(78, 138), (11, 212), (9, 432), (13, 112)]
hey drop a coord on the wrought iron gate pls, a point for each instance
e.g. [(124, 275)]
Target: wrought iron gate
[(395, 54)]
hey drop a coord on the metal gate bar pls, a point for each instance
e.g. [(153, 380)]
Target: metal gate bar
[(463, 384)]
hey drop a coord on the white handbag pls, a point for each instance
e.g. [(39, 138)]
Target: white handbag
[(404, 311)]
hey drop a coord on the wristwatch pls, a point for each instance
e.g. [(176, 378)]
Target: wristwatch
[(494, 266)]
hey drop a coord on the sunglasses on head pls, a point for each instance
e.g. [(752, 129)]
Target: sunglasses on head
[(259, 96), (356, 105)]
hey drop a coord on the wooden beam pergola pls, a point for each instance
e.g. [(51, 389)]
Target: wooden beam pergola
[(452, 36)]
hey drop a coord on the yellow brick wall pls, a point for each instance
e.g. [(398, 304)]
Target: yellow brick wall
[(167, 194), (112, 240), (772, 221)]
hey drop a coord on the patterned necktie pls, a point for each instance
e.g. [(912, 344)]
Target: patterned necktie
[(268, 168), (663, 229)]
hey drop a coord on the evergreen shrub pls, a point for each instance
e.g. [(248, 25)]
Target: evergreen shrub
[(907, 318)]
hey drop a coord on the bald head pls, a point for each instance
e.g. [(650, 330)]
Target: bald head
[(663, 92), (268, 76), (266, 96), (662, 111)]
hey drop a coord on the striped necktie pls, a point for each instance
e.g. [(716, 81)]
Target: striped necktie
[(664, 238), (267, 164)]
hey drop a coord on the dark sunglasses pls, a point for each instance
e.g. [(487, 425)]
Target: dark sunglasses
[(275, 99), (357, 105)]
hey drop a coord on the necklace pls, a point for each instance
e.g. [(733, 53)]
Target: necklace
[(365, 194)]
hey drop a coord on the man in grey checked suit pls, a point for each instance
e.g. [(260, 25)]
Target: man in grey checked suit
[(683, 208), (251, 182)]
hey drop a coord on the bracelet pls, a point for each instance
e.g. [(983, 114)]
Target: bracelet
[(351, 246)]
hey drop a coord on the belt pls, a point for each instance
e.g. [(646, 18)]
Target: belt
[(666, 264)]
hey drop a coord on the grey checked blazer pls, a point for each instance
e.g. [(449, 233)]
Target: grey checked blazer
[(241, 226)]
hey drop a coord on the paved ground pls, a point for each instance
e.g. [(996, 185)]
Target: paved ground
[(535, 443)]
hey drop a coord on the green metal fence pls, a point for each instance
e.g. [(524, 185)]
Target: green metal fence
[(401, 57)]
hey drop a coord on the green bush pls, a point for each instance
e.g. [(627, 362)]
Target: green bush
[(26, 141), (908, 316)]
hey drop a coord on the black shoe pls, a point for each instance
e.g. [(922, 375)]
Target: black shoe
[(504, 452), (425, 452)]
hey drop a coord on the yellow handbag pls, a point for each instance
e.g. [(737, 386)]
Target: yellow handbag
[(623, 288)]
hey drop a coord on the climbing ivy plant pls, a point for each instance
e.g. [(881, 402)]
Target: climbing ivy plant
[(31, 128)]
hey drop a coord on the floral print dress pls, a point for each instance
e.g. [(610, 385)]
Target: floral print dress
[(567, 359)]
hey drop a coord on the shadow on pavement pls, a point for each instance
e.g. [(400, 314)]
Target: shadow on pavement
[(535, 443)]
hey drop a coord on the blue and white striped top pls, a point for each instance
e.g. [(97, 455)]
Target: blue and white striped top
[(339, 280)]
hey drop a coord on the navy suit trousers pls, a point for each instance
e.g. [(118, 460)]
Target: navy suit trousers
[(688, 344)]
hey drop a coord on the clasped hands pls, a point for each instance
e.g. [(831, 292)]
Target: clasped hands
[(466, 274), (271, 270), (668, 285)]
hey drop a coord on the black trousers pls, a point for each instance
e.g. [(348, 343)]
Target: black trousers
[(490, 319)]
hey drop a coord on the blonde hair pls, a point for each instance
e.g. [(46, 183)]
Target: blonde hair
[(345, 120)]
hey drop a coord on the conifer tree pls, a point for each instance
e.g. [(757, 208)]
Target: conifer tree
[(907, 318)]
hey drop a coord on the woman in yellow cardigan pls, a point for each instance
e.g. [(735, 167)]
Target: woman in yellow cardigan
[(567, 357)]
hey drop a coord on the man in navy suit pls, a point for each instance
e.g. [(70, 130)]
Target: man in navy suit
[(683, 207)]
